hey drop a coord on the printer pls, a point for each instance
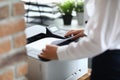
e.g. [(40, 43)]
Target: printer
[(51, 70)]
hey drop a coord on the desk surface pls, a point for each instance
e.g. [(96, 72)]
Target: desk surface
[(74, 24)]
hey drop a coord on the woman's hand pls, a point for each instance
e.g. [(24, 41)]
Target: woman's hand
[(75, 33), (50, 52)]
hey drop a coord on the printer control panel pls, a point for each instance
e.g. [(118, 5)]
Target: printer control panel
[(57, 31)]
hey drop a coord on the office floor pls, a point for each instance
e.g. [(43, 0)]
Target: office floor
[(86, 76)]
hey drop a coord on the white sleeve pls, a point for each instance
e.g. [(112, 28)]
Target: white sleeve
[(95, 42)]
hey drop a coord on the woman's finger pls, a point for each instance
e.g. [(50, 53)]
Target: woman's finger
[(69, 33), (77, 36), (43, 50)]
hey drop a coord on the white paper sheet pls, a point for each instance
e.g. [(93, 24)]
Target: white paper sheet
[(35, 48)]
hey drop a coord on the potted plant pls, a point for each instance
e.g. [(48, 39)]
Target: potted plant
[(66, 9), (79, 8)]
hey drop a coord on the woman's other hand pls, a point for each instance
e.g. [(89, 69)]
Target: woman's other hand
[(50, 52)]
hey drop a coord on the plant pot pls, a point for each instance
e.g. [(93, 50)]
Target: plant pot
[(67, 19), (80, 18)]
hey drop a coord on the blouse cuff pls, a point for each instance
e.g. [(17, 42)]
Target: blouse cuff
[(61, 52)]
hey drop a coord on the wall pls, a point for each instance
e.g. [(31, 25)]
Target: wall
[(13, 65)]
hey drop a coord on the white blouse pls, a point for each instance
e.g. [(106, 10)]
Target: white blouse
[(102, 29)]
